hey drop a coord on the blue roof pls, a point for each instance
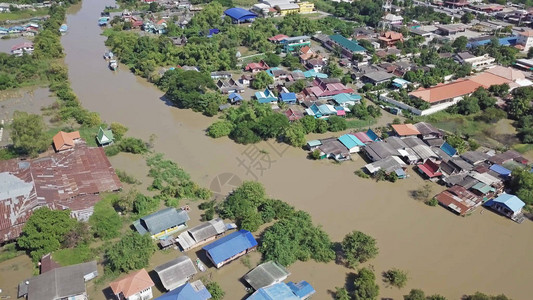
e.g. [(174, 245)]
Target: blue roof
[(372, 135), (301, 289), (239, 14), (400, 173), (265, 96), (230, 245), (314, 143), (349, 141), (324, 109), (313, 73), (505, 41), (448, 149), (344, 97), (288, 97), (235, 97), (269, 71), (350, 45), (186, 292), (511, 201), (500, 170), (278, 291), (161, 220)]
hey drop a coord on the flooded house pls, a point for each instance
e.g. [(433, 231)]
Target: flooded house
[(176, 272), (286, 291), (459, 200), (162, 223), (189, 291), (391, 164), (201, 234), (134, 286), (71, 179), (430, 169), (266, 274), (59, 283), (66, 140), (507, 205), (230, 247), (105, 137)]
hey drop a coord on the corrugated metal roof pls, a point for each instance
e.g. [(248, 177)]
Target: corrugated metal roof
[(266, 274), (301, 289), (188, 291), (274, 292), (511, 201), (174, 272), (162, 220), (500, 170), (230, 245)]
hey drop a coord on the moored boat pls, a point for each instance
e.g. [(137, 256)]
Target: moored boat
[(113, 64), (108, 55), (63, 28)]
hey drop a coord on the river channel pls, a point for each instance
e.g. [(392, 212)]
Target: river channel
[(443, 253)]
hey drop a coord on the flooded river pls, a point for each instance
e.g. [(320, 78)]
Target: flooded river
[(443, 253)]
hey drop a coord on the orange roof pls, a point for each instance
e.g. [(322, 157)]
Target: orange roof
[(391, 35), (507, 73), (160, 22), (306, 49), (132, 283), (528, 33), (446, 91), (405, 129), (65, 140), (487, 79)]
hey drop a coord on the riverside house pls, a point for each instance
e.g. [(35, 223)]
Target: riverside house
[(162, 223), (230, 247)]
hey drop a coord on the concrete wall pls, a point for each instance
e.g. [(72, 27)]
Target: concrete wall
[(433, 109)]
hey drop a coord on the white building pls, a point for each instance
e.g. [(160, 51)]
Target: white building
[(525, 39), (477, 62)]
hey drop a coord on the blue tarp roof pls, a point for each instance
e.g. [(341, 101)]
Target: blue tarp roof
[(288, 96), (349, 141), (278, 291), (511, 201), (372, 135), (344, 97), (186, 292), (230, 245), (301, 289), (500, 170), (448, 149), (239, 14)]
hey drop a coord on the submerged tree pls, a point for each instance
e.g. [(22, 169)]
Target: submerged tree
[(28, 133), (358, 247)]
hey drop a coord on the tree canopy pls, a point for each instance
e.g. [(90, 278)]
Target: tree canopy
[(358, 247), (365, 285), (132, 252), (28, 133), (105, 222)]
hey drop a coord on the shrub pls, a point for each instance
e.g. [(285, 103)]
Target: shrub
[(432, 202), (219, 129), (395, 277)]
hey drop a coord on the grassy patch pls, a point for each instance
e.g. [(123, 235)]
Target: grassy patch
[(23, 14), (8, 153), (359, 124), (9, 251), (126, 178), (72, 256), (244, 3), (523, 148)]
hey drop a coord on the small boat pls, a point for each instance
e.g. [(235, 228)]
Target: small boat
[(103, 21), (108, 55), (63, 28), (113, 64), (200, 265)]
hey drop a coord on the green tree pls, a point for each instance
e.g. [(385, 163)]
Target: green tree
[(118, 130), (365, 285), (215, 290), (481, 296), (415, 294), (272, 60), (132, 252), (358, 247), (315, 154), (459, 44), (133, 145), (262, 80), (333, 69), (342, 294), (28, 133), (309, 123), (271, 125), (321, 126), (219, 129), (45, 231), (294, 135), (395, 277), (105, 222), (143, 205), (337, 124), (297, 86), (184, 88), (467, 17)]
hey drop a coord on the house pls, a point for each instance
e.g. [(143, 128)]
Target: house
[(220, 75), (379, 150), (266, 97), (317, 64), (448, 149), (162, 223), (430, 169), (306, 53), (459, 200), (246, 79), (450, 29), (450, 93), (285, 291), (22, 48), (525, 39), (189, 291), (390, 20), (507, 205), (295, 43), (333, 148), (47, 263), (306, 7), (294, 114), (176, 272), (326, 88), (363, 137), (235, 98), (65, 140), (285, 8), (64, 180), (266, 274), (390, 38), (201, 234), (289, 98), (135, 286), (372, 135), (59, 283), (400, 83), (314, 74), (346, 100), (321, 111), (105, 137), (278, 38), (351, 142), (428, 131), (474, 157), (501, 171), (477, 62), (230, 247), (348, 47), (257, 67), (227, 86), (389, 165), (507, 156), (404, 130), (378, 77), (240, 15)]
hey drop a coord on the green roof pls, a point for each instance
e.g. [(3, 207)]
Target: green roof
[(483, 188), (105, 136), (346, 43)]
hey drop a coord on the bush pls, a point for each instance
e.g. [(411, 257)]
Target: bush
[(126, 178), (365, 285), (361, 174), (395, 277), (105, 222), (337, 124), (432, 202), (132, 252), (315, 154), (215, 290), (358, 247), (133, 145), (219, 129)]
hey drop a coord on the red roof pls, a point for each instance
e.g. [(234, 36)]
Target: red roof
[(277, 38), (22, 45), (430, 168), (293, 115), (132, 283), (459, 199), (363, 137), (451, 90), (256, 66)]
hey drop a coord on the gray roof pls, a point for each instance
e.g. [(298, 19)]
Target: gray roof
[(468, 182), (424, 151), (201, 232), (266, 274), (437, 142), (474, 157), (61, 282), (396, 142), (389, 164), (379, 150), (333, 147), (412, 141), (174, 272), (454, 179), (161, 220), (426, 129), (379, 76), (443, 155), (464, 55)]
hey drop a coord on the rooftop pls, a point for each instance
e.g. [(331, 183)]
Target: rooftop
[(446, 91), (405, 129), (174, 272), (161, 220), (346, 43), (266, 274), (132, 283), (230, 245)]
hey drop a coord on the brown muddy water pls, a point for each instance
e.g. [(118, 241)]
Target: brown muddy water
[(7, 44), (443, 253)]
